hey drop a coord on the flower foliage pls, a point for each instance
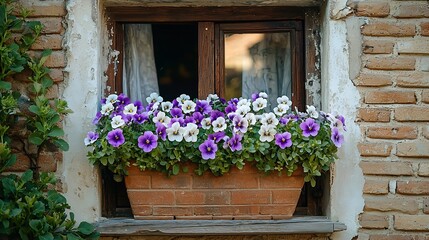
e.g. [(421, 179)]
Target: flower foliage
[(213, 134)]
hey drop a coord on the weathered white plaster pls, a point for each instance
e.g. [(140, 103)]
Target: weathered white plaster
[(339, 94), (82, 91)]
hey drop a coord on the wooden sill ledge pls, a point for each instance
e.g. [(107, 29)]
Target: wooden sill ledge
[(295, 225)]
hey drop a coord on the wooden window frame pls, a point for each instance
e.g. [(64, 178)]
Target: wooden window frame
[(212, 23)]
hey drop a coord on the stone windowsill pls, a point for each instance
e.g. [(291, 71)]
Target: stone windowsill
[(295, 225)]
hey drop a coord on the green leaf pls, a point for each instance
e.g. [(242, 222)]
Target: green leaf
[(85, 228), (35, 224), (35, 139), (47, 236), (176, 169), (56, 132), (63, 145), (34, 109), (27, 176), (72, 236), (5, 85)]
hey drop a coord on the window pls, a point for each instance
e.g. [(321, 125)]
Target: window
[(232, 51)]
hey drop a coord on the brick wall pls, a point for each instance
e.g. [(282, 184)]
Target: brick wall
[(394, 117), (51, 14)]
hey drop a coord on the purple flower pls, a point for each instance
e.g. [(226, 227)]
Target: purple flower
[(240, 124), (161, 131), (255, 96), (91, 137), (336, 137), (230, 108), (189, 119), (127, 118), (217, 136), (176, 112), (181, 121), (141, 118), (216, 114), (97, 118), (115, 137), (203, 107), (147, 141), (309, 127), (208, 149), (283, 140), (176, 104), (123, 99), (234, 143), (198, 117), (284, 120), (139, 106)]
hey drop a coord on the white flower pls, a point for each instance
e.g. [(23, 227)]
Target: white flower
[(267, 133), (281, 109), (130, 109), (155, 106), (259, 104), (161, 118), (182, 98), (166, 106), (251, 119), (206, 123), (188, 106), (312, 112), (219, 124), (107, 108), (191, 132), (263, 95), (154, 97), (117, 121), (284, 100), (243, 102), (269, 119), (240, 124), (212, 97), (337, 124), (175, 132), (112, 98), (242, 110)]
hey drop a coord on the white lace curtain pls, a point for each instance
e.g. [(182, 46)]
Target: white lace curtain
[(270, 70)]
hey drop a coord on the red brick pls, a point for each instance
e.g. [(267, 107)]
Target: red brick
[(391, 63), (413, 80), (22, 163), (151, 197), (373, 80), (250, 197), (373, 115), (384, 204), (142, 210), (161, 181), (389, 29), (51, 41), (140, 217), (425, 96), (411, 222), (378, 187), (227, 210), (392, 237), (56, 74), (412, 10), (53, 10), (374, 221), (390, 97), (412, 114), (399, 132), (377, 47), (53, 92), (418, 149), (48, 161), (285, 196), (138, 182), (412, 187), (55, 60), (375, 149), (424, 29), (284, 209), (371, 9), (189, 197), (275, 181), (387, 168), (227, 181), (172, 211), (420, 46), (51, 24)]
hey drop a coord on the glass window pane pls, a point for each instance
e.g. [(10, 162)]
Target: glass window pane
[(258, 62)]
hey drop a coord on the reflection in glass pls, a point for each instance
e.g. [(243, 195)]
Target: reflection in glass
[(258, 62)]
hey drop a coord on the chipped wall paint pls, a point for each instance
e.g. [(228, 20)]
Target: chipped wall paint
[(87, 53), (339, 93)]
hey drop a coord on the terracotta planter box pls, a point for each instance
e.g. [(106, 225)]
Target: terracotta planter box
[(240, 194)]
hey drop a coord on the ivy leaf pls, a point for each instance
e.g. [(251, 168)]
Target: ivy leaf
[(56, 132), (34, 109), (72, 236), (5, 85), (35, 139), (176, 169), (47, 236), (27, 176)]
